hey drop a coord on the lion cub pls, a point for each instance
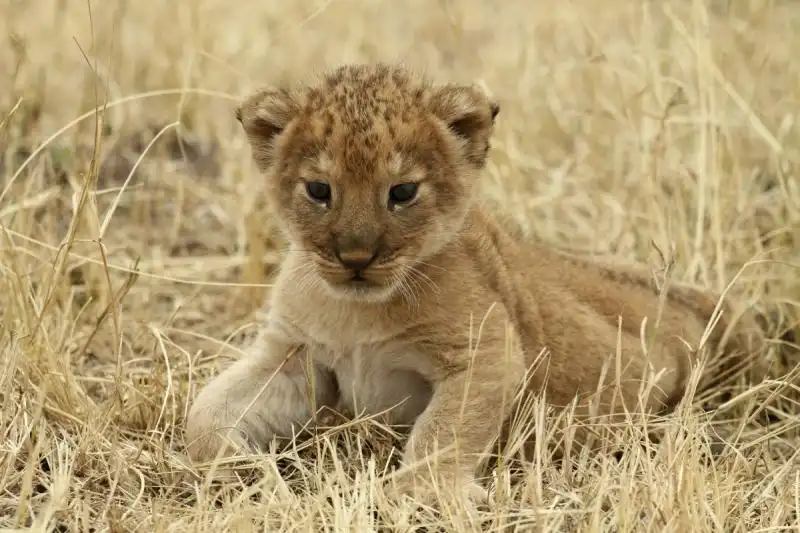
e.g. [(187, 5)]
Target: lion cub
[(400, 294)]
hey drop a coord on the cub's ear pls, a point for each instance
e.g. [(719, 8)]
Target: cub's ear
[(263, 116), (469, 115)]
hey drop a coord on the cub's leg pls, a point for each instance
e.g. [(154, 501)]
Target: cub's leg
[(273, 390), (462, 420)]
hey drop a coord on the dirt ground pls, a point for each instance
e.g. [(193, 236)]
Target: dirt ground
[(136, 252)]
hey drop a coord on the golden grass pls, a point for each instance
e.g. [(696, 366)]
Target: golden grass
[(623, 123)]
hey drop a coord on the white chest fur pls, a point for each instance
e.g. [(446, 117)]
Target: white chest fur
[(369, 383), (378, 374)]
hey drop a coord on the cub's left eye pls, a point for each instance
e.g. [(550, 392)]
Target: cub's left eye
[(403, 193), (319, 191)]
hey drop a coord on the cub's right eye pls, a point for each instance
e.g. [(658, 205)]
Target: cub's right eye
[(318, 191)]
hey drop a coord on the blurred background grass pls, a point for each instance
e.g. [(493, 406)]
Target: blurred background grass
[(622, 125)]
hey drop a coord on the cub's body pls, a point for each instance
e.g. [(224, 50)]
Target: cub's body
[(402, 296)]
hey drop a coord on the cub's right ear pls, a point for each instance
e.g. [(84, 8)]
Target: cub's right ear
[(263, 116)]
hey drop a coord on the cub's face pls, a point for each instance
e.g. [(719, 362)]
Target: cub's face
[(370, 173)]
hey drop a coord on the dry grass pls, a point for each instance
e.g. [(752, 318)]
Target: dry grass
[(622, 123)]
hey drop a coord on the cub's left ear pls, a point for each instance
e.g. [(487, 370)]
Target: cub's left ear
[(470, 115)]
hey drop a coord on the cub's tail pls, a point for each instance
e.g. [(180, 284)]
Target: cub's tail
[(735, 338)]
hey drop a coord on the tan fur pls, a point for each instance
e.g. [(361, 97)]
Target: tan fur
[(455, 307)]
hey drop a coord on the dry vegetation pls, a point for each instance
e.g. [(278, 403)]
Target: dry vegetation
[(128, 278)]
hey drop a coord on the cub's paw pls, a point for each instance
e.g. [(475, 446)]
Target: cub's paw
[(206, 443), (424, 490)]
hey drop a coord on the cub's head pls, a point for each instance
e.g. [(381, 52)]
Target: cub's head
[(370, 171)]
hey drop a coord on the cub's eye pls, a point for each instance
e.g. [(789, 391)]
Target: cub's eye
[(403, 193), (318, 191)]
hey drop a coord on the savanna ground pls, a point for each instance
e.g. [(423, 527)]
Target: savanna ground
[(135, 252)]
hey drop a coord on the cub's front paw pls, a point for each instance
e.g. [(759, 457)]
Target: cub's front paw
[(422, 489), (208, 437), (216, 452)]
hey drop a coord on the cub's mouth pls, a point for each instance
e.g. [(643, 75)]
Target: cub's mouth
[(359, 280), (365, 285)]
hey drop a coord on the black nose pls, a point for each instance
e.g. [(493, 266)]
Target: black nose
[(357, 260)]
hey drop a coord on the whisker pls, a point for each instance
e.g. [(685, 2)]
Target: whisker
[(308, 252), (423, 277), (305, 277), (404, 282), (429, 265), (397, 281), (419, 280)]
